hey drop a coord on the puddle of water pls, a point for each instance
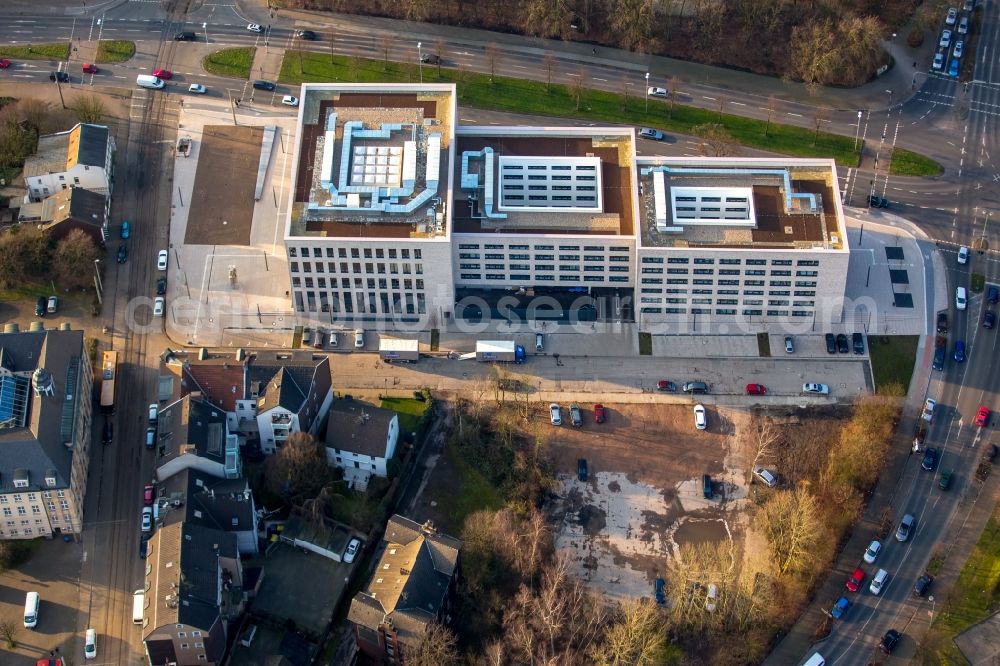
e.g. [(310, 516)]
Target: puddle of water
[(700, 531)]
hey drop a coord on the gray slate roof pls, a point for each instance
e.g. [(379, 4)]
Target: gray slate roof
[(410, 582), (191, 425), (358, 427), (39, 447), (93, 144), (209, 501)]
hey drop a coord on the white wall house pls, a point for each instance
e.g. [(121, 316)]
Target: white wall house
[(360, 439), (81, 157)]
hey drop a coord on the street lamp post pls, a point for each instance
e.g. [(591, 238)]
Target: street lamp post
[(857, 131), (890, 97), (647, 92), (420, 61), (97, 281), (204, 26)]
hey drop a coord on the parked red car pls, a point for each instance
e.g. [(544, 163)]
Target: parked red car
[(148, 493), (983, 416), (756, 389), (89, 68), (854, 582), (4, 63), (161, 73), (598, 413)]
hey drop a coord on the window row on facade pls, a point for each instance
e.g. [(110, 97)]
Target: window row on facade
[(355, 253), (360, 302)]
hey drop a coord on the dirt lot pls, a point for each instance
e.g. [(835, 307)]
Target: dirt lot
[(643, 495)]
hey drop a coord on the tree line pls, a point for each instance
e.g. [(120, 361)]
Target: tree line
[(834, 42)]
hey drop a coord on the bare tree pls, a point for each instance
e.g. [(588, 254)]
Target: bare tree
[(791, 522), (492, 59), (73, 259), (577, 86), (439, 52), (9, 630), (438, 647), (716, 141), (763, 438), (89, 108), (299, 468), (625, 86), (385, 44), (772, 108), (549, 60), (635, 635), (821, 114), (722, 101), (24, 251), (673, 90)]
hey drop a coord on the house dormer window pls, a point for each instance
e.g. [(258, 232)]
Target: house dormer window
[(50, 480)]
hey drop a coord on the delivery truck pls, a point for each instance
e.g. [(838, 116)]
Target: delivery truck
[(399, 351), (502, 351)]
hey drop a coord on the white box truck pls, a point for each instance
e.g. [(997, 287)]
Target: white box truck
[(502, 351), (397, 350)]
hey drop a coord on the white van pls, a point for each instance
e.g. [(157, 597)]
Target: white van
[(961, 299), (31, 601), (815, 660), (147, 81), (138, 606)]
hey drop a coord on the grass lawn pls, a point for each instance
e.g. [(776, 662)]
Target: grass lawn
[(763, 345), (435, 339), (893, 358), (908, 163), (230, 62), (471, 493), (410, 412), (115, 50), (645, 344), (976, 595), (524, 96), (53, 51)]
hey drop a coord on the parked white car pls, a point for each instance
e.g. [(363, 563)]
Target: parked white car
[(818, 389), (873, 550), (656, 92), (161, 260), (352, 550), (765, 476), (197, 89), (255, 27), (700, 417), (289, 100), (929, 406), (555, 414)]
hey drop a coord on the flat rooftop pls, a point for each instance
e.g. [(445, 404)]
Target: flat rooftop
[(544, 181), (373, 161), (739, 203)]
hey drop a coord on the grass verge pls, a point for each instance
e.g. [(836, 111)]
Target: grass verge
[(763, 345), (534, 97), (976, 595), (53, 51), (893, 358), (645, 344), (115, 50), (472, 493), (410, 412), (978, 283), (435, 339), (908, 163), (234, 62)]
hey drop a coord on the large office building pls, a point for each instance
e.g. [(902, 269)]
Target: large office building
[(45, 418), (402, 215)]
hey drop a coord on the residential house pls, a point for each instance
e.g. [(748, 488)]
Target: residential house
[(265, 394), (81, 157), (292, 393), (197, 498), (193, 586), (193, 434), (74, 208), (411, 589), (360, 439), (46, 383)]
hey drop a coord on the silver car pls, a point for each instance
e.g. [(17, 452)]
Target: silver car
[(905, 527)]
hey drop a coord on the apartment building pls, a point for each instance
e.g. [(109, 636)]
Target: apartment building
[(402, 215), (81, 157), (45, 418)]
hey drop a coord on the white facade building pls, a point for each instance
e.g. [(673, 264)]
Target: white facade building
[(81, 157), (411, 219), (361, 439)]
